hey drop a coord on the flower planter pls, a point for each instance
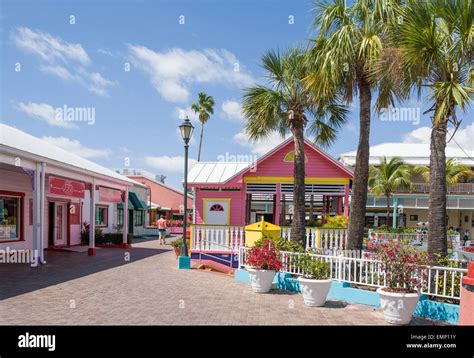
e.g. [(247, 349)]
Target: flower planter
[(177, 251), (314, 292), (261, 280), (398, 307)]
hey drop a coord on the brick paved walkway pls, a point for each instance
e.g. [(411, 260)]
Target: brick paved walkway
[(74, 288)]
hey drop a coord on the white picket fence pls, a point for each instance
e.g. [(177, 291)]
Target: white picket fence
[(436, 281), (317, 238), (217, 238), (418, 238)]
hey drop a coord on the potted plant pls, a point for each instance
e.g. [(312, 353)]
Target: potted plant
[(264, 262), (176, 244), (401, 266), (315, 281)]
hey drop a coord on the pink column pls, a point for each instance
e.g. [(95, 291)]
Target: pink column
[(466, 313), (346, 201), (276, 220)]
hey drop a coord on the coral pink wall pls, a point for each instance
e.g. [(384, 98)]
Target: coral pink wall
[(162, 195), (316, 166), (237, 205)]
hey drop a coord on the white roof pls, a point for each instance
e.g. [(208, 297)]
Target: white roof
[(214, 173), (411, 153), (18, 140)]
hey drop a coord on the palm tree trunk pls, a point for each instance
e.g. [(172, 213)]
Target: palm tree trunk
[(298, 231), (361, 172), (200, 142), (437, 242)]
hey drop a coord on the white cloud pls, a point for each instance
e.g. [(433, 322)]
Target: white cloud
[(62, 59), (232, 110), (463, 136), (51, 49), (261, 146), (169, 164), (173, 72), (44, 112), (74, 146), (181, 113)]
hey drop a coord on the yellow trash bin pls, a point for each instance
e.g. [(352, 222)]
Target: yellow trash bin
[(256, 231)]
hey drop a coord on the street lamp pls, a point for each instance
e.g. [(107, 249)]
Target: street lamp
[(186, 130)]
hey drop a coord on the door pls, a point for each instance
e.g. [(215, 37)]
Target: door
[(217, 212), (60, 224)]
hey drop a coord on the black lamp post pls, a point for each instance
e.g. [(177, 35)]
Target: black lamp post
[(186, 129)]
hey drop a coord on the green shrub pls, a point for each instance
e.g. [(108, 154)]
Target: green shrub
[(336, 222), (281, 244), (313, 268)]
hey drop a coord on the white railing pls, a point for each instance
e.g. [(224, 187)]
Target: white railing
[(418, 238), (217, 238), (140, 230), (317, 238), (436, 281)]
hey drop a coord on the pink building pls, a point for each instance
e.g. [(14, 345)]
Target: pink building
[(243, 193)]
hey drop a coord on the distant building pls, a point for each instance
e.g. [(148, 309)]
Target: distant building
[(414, 204), (164, 200)]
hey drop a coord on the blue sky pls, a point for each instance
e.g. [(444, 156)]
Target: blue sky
[(77, 53)]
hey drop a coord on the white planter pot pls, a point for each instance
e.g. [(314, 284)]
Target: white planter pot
[(314, 292), (261, 280), (398, 307)]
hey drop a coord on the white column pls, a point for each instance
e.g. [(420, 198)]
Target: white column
[(92, 220), (36, 216), (125, 217), (42, 208)]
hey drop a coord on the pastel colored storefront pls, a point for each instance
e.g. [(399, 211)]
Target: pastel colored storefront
[(46, 194), (236, 194)]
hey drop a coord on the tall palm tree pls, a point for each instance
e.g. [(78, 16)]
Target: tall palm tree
[(388, 177), (455, 172), (435, 39), (349, 43), (285, 105), (205, 107)]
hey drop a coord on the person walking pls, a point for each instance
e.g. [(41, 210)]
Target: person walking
[(466, 237), (162, 230)]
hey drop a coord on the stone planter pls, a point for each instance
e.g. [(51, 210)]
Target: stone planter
[(261, 280), (398, 307), (315, 292)]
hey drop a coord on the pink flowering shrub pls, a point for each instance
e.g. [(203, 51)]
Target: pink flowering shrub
[(401, 264)]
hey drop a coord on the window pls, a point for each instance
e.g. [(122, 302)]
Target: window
[(10, 209), (101, 214), (120, 217), (216, 207), (138, 217)]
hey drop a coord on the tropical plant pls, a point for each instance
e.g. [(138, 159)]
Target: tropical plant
[(349, 44), (436, 48), (285, 105), (388, 176), (281, 244), (455, 172), (266, 257), (205, 107), (401, 264), (336, 222), (312, 268)]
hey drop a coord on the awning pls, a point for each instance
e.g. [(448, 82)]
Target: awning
[(133, 202)]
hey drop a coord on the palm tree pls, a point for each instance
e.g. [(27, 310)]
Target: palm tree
[(455, 172), (388, 177), (349, 43), (436, 45), (205, 107), (285, 105)]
